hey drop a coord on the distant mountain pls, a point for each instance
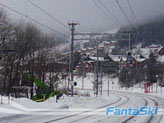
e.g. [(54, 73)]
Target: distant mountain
[(152, 32)]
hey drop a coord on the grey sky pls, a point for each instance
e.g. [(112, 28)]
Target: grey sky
[(85, 12)]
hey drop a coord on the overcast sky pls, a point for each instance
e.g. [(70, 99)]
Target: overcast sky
[(85, 12)]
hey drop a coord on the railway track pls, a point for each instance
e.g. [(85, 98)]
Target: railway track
[(130, 118), (145, 98), (127, 99), (123, 99), (149, 120), (78, 114)]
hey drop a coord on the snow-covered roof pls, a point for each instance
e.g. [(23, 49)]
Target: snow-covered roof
[(160, 59), (154, 46), (95, 58), (151, 49), (101, 45), (112, 47), (117, 58), (160, 48), (90, 48), (140, 59), (145, 52)]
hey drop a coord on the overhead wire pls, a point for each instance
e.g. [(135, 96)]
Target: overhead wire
[(35, 5), (48, 14), (105, 7), (26, 6), (32, 19), (124, 14), (99, 7), (51, 16), (133, 13)]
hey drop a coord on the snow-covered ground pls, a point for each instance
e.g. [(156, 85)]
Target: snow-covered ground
[(25, 110), (25, 107)]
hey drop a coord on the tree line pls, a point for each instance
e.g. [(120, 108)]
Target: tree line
[(148, 71), (22, 47)]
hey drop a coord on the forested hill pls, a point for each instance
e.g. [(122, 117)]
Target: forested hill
[(149, 33)]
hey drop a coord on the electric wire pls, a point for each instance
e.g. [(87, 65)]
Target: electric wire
[(26, 7), (32, 19), (58, 21), (104, 12), (124, 14), (51, 16), (105, 7), (131, 8)]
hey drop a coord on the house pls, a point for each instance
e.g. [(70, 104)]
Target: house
[(145, 52), (160, 51), (106, 64), (152, 49), (109, 46)]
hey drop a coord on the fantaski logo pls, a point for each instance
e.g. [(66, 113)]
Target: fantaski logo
[(142, 111)]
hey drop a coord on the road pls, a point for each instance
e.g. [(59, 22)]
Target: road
[(123, 100)]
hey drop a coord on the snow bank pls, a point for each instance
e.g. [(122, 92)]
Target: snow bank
[(88, 102), (29, 105)]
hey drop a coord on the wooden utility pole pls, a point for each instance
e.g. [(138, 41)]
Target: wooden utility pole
[(72, 25)]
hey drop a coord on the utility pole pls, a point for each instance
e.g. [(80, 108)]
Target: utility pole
[(97, 71), (101, 75), (83, 73), (72, 25), (129, 42), (129, 38), (126, 80), (108, 87)]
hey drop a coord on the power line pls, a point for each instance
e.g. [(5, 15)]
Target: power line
[(48, 14), (124, 14), (26, 7), (32, 19), (66, 25), (109, 12), (133, 12), (104, 12), (51, 16)]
